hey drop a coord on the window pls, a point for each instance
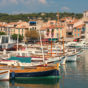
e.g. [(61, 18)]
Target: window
[(69, 33), (78, 35), (22, 31), (83, 29), (75, 29), (19, 31), (78, 30), (57, 35), (5, 39), (51, 23)]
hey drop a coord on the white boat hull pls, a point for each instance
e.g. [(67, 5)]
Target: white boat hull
[(63, 60), (4, 74), (71, 58)]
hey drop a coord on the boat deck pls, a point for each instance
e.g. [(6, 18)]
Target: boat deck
[(18, 69)]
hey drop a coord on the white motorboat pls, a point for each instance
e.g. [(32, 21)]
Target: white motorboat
[(71, 55), (71, 58)]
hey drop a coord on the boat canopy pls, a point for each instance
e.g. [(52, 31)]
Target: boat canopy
[(21, 59)]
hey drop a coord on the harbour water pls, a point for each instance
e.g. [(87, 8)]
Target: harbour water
[(73, 75)]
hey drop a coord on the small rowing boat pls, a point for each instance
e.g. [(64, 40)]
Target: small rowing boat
[(4, 74)]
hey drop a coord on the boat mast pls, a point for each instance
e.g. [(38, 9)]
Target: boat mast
[(59, 31), (17, 41), (41, 46), (58, 24), (63, 41), (51, 46)]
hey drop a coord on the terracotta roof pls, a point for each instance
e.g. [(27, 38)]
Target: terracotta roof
[(63, 19), (74, 21), (55, 26), (21, 26), (51, 27), (80, 26), (3, 25), (43, 28), (12, 23), (0, 25)]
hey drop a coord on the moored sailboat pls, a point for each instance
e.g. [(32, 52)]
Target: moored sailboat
[(27, 72), (37, 72)]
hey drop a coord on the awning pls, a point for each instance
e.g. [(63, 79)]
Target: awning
[(53, 39), (21, 59), (45, 40)]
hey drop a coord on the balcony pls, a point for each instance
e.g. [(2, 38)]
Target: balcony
[(69, 36), (69, 30), (82, 32)]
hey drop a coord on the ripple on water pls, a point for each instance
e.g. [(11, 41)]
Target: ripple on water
[(75, 74)]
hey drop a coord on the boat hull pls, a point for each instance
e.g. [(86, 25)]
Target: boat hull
[(63, 60), (28, 75), (4, 75), (71, 58)]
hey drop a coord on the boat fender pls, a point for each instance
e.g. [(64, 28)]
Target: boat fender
[(13, 75)]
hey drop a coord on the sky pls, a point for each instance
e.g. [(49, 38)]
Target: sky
[(35, 6)]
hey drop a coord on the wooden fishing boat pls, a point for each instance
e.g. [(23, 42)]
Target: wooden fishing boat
[(44, 71), (4, 74), (38, 72), (17, 72)]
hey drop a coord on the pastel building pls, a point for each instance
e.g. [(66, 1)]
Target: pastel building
[(79, 32), (68, 28), (81, 27), (35, 24), (53, 32)]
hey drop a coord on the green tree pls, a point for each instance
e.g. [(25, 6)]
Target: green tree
[(25, 17), (2, 33), (14, 37), (32, 35)]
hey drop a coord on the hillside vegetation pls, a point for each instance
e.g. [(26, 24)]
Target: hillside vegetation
[(45, 16)]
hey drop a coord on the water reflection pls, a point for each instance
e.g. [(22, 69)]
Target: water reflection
[(70, 67), (35, 83), (74, 75), (4, 84)]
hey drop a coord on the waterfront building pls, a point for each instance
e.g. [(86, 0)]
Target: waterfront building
[(81, 27), (79, 32), (53, 32), (6, 42), (69, 28), (35, 24)]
